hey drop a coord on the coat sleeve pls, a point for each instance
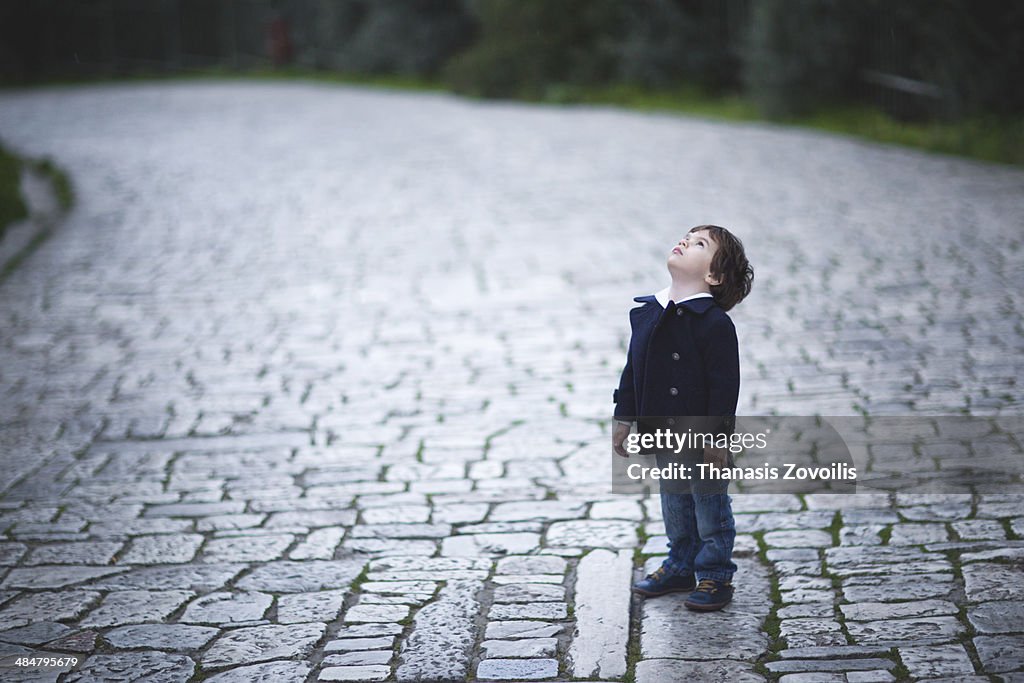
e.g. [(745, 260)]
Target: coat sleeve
[(625, 396), (722, 363)]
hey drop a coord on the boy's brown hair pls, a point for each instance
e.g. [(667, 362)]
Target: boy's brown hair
[(731, 265)]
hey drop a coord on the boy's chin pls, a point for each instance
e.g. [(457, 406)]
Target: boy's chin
[(676, 268)]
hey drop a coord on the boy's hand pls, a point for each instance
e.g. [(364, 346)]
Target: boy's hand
[(619, 434), (719, 457)]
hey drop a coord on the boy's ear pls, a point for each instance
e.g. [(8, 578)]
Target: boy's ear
[(712, 280)]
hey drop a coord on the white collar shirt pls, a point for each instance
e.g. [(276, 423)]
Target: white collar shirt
[(662, 297)]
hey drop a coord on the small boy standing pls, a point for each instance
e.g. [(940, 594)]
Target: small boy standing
[(683, 360)]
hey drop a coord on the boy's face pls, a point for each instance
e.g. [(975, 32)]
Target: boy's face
[(692, 256)]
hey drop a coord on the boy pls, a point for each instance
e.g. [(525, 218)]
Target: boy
[(683, 360)]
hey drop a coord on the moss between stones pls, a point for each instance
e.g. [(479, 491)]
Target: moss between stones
[(772, 623)]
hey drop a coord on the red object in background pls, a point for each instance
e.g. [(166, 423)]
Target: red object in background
[(279, 43)]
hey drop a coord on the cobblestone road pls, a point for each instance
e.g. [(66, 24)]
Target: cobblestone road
[(312, 385)]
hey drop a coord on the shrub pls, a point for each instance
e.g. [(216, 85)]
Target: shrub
[(667, 43), (526, 46), (800, 54), (406, 37)]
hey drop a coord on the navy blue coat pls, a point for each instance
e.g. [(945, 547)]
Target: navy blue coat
[(683, 360)]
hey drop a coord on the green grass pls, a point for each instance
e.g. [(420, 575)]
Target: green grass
[(362, 578), (986, 138), (634, 652), (391, 82), (12, 204), (835, 527), (772, 625), (60, 181), (1008, 528), (685, 100)]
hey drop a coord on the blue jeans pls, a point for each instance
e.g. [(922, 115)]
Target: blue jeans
[(701, 531)]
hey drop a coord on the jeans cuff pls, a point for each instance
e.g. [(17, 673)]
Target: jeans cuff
[(717, 576), (673, 566)]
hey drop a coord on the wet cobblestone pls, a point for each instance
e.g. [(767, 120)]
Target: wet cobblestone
[(298, 343)]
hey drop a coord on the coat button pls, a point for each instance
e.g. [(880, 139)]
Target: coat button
[(675, 356), (673, 391), (679, 311), (671, 421)]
